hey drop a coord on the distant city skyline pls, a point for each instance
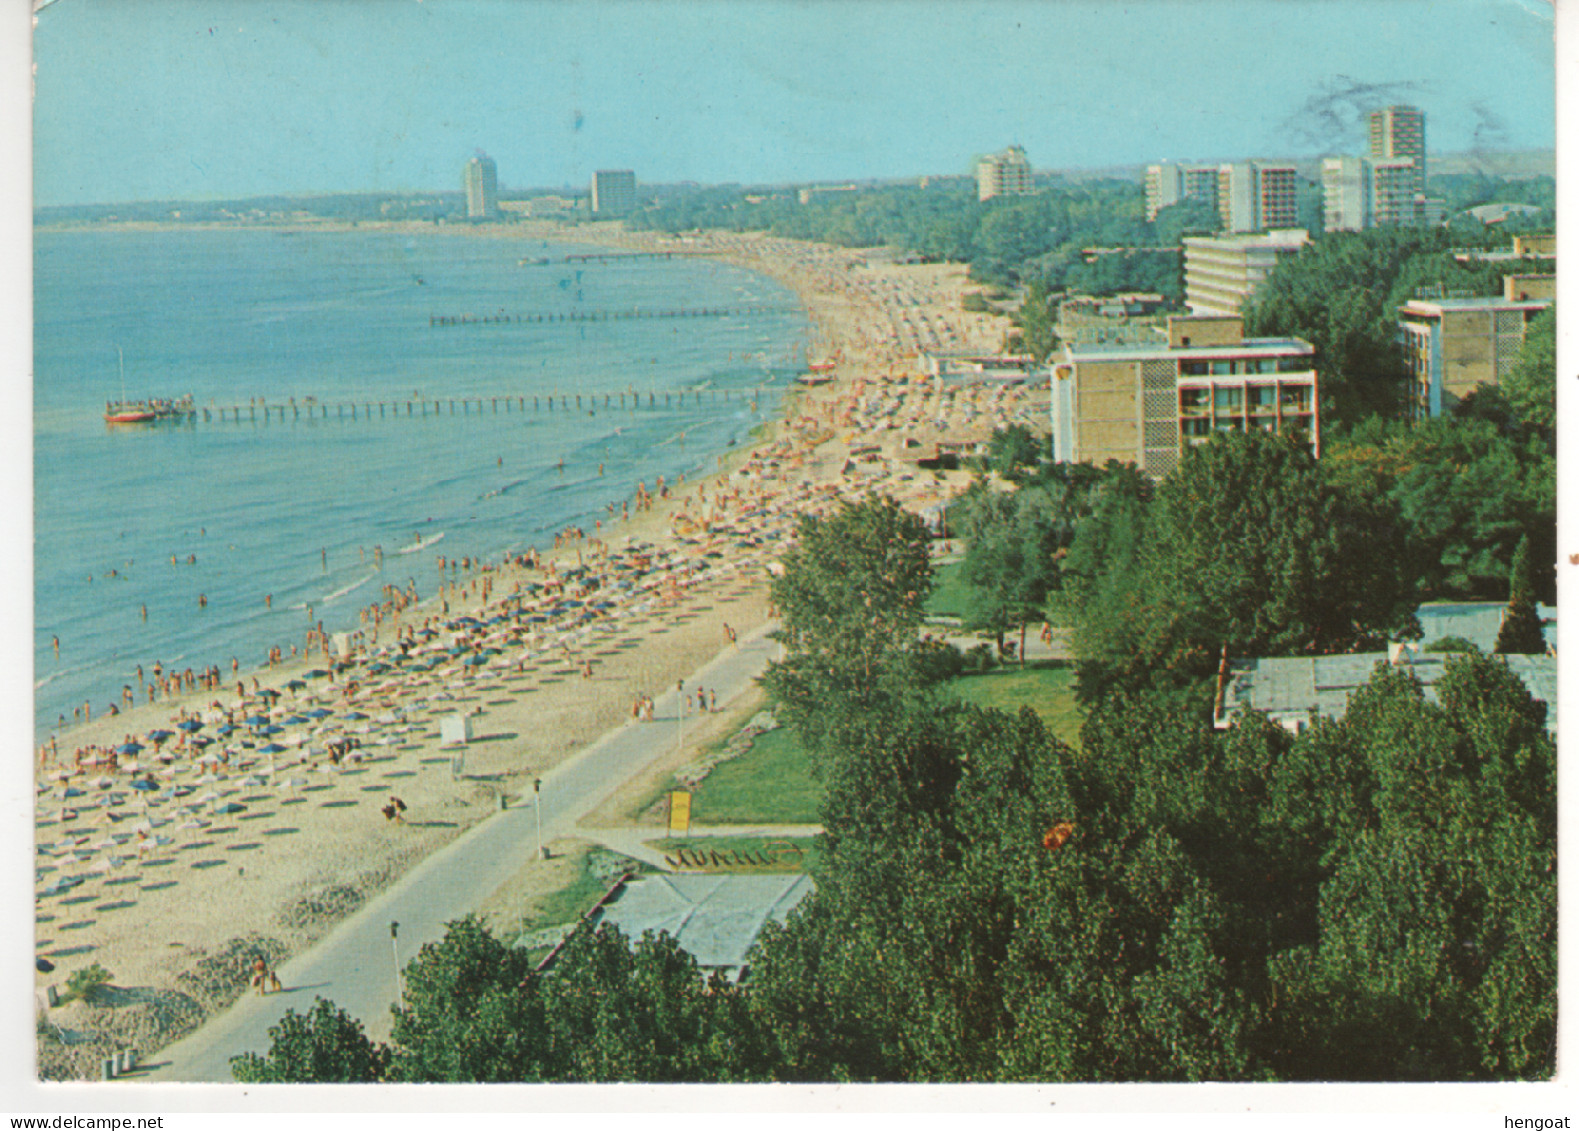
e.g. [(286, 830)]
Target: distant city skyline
[(206, 99)]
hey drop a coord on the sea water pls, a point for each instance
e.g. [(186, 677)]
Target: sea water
[(266, 518)]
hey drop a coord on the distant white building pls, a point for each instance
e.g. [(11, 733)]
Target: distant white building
[(482, 188), (1168, 184), (1003, 174), (1253, 197), (1346, 194), (1222, 272), (613, 193)]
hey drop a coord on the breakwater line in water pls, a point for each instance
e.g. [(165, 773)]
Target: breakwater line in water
[(261, 411), (500, 317)]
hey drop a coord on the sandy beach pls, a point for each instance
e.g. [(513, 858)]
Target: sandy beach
[(261, 819)]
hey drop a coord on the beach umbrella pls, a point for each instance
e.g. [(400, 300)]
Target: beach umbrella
[(257, 720), (145, 785), (272, 748), (230, 807), (315, 673), (161, 735), (319, 713), (293, 720), (225, 730), (473, 661), (271, 729), (268, 693), (189, 725), (296, 684), (128, 748), (201, 741)]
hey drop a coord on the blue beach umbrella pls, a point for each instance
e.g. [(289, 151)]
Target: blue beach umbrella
[(271, 748), (145, 785), (296, 684), (202, 740), (271, 730), (189, 725), (294, 720), (319, 713), (354, 715), (257, 720), (128, 748), (160, 735), (227, 729), (473, 661), (315, 673)]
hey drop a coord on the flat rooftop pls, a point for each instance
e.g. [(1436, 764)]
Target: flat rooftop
[(714, 916), (1292, 688), (1248, 347), (1484, 302)]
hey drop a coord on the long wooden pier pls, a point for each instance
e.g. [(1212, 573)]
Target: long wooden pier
[(601, 315), (266, 412), (607, 256)]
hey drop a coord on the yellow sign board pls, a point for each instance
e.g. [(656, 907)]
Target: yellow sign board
[(680, 812)]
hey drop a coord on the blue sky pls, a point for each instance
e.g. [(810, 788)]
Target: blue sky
[(154, 99)]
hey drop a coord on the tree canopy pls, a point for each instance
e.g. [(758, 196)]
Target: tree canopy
[(1248, 545)]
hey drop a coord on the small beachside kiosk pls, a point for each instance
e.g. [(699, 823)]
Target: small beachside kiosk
[(455, 731)]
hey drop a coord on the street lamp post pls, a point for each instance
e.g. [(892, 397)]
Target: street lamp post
[(394, 943), (537, 806)]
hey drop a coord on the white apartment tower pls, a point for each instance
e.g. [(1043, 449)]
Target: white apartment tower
[(1003, 174), (1346, 194), (1222, 273), (482, 188), (613, 192), (1168, 184), (1252, 197), (1397, 133)]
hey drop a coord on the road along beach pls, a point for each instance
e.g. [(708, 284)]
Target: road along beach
[(203, 829)]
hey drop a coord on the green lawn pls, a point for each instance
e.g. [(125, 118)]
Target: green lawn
[(950, 595), (1046, 686), (770, 782), (754, 854), (568, 903)]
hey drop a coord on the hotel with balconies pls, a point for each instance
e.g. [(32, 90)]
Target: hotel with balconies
[(1146, 402)]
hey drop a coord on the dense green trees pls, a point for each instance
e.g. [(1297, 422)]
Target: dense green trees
[(1531, 386), (1467, 489), (324, 1046), (1435, 828), (1011, 239), (474, 1012), (1521, 623), (1373, 898), (1334, 293), (1248, 546)]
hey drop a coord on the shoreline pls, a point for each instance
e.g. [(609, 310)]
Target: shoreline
[(325, 849), (253, 645)]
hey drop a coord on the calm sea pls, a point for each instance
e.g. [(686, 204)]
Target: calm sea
[(256, 509)]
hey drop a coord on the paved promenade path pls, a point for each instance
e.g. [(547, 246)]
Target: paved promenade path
[(354, 966)]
